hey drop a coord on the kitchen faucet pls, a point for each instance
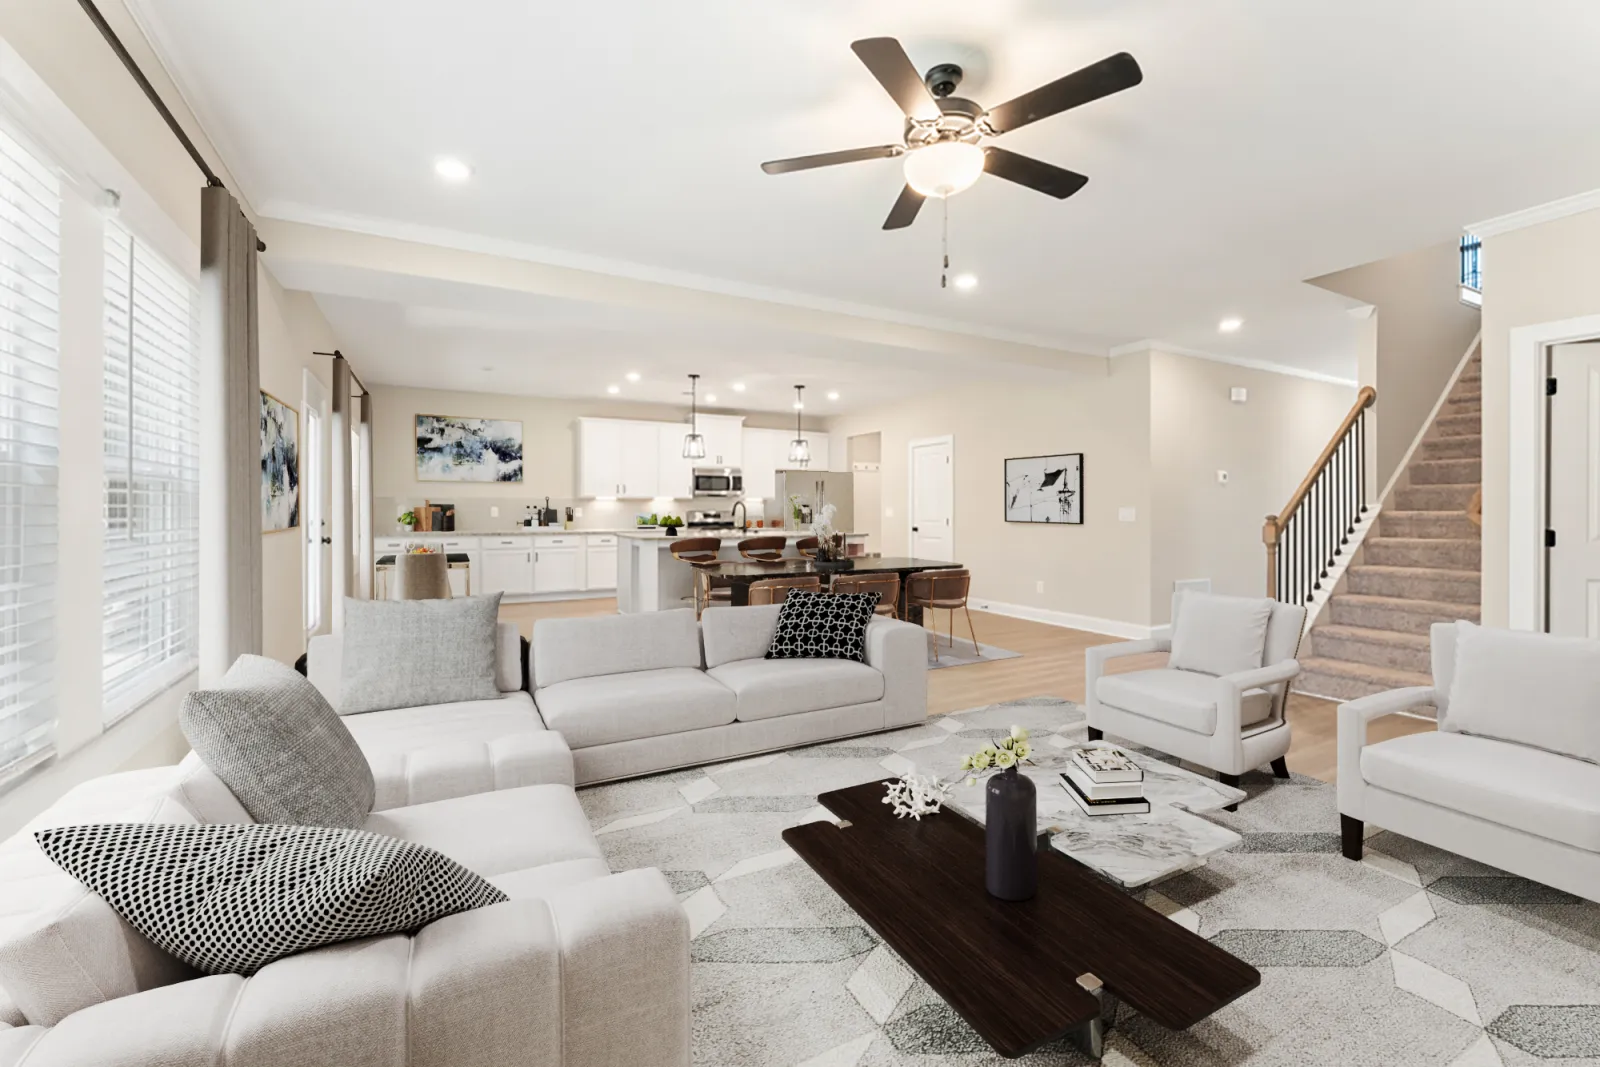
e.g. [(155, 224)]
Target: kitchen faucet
[(737, 507)]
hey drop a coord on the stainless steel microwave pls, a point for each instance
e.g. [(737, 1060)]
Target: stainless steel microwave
[(718, 481)]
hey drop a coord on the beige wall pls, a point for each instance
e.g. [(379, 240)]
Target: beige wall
[(1540, 274), (1101, 569), (1423, 330), (549, 449), (1201, 528)]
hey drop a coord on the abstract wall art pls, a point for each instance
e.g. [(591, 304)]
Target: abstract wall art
[(452, 448), (280, 465), (1045, 489)]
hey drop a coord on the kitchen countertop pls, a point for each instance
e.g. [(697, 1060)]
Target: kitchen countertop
[(725, 533)]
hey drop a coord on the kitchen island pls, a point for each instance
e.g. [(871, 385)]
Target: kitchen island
[(649, 579)]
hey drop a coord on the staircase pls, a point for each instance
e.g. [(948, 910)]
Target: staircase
[(1422, 565)]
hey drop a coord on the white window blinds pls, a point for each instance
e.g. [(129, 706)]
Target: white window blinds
[(152, 474), (30, 255)]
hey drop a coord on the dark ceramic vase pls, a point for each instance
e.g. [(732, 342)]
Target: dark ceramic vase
[(1011, 868)]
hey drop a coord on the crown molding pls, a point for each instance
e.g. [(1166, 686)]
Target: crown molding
[(1534, 216), (1152, 345)]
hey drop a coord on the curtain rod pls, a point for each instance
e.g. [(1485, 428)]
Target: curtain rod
[(150, 93), (336, 354)]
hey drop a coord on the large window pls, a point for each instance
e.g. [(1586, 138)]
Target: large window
[(30, 253), (152, 474)]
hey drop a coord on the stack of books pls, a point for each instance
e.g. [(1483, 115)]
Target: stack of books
[(1105, 781)]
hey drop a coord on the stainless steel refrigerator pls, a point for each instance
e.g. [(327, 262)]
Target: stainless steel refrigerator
[(814, 489)]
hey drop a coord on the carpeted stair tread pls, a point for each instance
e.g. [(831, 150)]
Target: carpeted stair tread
[(1428, 524), (1422, 583), (1464, 447), (1446, 472), (1386, 649), (1393, 614), (1339, 680), (1451, 425), (1435, 497), (1444, 553)]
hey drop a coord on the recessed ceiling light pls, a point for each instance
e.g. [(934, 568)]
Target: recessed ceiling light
[(711, 398), (738, 387), (1230, 325), (633, 376), (451, 169), (966, 281), (833, 395), (613, 389)]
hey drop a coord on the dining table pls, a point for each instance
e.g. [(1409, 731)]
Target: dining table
[(739, 575)]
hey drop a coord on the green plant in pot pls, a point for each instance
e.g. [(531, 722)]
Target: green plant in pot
[(407, 520), (671, 524)]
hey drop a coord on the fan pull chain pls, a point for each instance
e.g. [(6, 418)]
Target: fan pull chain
[(944, 241)]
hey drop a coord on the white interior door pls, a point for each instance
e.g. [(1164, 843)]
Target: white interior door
[(1573, 563), (317, 593), (932, 494)]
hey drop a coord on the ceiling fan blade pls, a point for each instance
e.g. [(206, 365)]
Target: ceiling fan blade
[(1047, 178), (1111, 75), (828, 159), (905, 209), (889, 63)]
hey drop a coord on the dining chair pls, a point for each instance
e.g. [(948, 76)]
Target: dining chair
[(807, 547), (777, 590), (422, 576), (946, 590), (887, 586), (701, 553), (767, 549)]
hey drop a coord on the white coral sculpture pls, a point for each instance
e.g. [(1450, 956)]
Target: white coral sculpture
[(916, 795)]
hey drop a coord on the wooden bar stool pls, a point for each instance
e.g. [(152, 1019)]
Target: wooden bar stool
[(701, 553), (807, 547), (947, 590), (777, 590), (763, 549), (887, 586)]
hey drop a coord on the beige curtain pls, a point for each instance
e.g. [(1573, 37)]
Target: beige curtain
[(230, 437)]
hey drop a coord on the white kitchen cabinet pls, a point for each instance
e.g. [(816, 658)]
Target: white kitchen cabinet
[(599, 457), (641, 460), (558, 564), (765, 452), (507, 566), (724, 436), (675, 474), (600, 561)]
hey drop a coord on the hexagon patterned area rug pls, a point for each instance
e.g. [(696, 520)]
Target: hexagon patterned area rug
[(1412, 957)]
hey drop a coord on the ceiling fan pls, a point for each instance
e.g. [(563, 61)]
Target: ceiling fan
[(943, 148)]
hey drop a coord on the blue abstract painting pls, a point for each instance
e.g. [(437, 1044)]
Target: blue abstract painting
[(455, 449), (280, 465)]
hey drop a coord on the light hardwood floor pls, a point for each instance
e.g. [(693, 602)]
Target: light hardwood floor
[(1051, 664)]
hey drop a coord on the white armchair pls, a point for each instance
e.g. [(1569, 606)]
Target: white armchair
[(1231, 722), (1517, 801)]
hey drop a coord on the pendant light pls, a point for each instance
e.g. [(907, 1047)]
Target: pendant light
[(799, 448), (694, 445)]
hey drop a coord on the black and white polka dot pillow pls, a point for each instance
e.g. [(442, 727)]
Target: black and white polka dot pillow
[(231, 898), (823, 626)]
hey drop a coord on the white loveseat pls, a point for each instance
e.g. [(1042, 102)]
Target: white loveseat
[(579, 967), (1525, 809), (634, 694)]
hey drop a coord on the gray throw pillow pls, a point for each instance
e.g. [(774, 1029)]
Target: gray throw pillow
[(278, 745), (1219, 635), (231, 898), (408, 653)]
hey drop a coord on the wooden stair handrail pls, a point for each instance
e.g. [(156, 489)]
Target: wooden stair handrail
[(1365, 398)]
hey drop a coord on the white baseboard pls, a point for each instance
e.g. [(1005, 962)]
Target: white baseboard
[(1111, 627)]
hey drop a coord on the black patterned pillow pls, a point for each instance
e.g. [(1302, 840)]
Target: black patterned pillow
[(231, 898), (823, 626)]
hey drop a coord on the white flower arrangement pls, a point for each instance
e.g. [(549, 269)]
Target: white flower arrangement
[(916, 795), (1007, 754)]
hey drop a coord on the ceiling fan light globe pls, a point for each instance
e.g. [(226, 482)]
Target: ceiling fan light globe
[(944, 168)]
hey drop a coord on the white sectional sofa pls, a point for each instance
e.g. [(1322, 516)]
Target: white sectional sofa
[(1529, 809), (634, 694), (579, 967)]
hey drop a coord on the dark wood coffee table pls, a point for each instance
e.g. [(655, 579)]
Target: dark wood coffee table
[(1021, 974)]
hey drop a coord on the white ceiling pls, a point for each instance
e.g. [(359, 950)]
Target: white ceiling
[(1269, 143)]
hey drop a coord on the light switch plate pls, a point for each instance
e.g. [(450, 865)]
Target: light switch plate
[(1126, 515), (494, 512)]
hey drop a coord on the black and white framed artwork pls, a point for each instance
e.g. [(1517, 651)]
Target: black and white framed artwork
[(1045, 488)]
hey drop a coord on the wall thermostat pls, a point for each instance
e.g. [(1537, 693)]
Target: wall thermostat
[(1238, 394)]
